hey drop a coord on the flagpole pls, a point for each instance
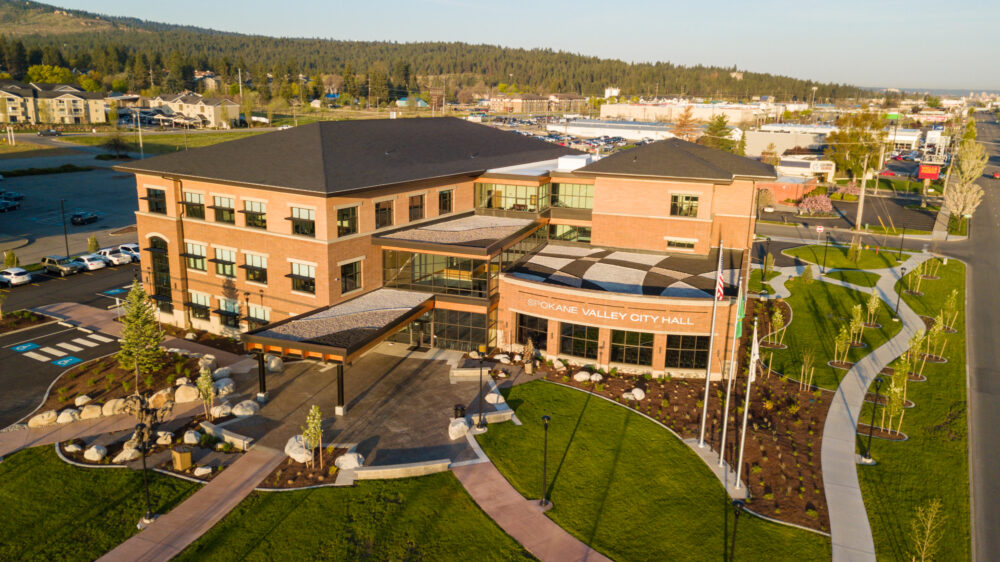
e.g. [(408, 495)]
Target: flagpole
[(751, 375), (711, 346), (729, 385)]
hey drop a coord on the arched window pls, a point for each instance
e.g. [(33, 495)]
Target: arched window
[(160, 263)]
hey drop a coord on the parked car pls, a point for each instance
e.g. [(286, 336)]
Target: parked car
[(14, 276), (131, 250), (114, 256), (11, 195), (887, 173), (83, 218), (7, 205), (90, 262), (49, 133), (62, 266), (996, 175)]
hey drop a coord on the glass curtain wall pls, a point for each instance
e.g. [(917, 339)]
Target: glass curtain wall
[(461, 331), (573, 195), (436, 274), (523, 198)]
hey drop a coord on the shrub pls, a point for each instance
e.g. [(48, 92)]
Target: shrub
[(769, 496), (812, 513), (565, 378), (148, 381), (756, 469), (599, 387), (126, 386), (171, 378), (207, 441), (92, 381), (648, 376), (61, 391)]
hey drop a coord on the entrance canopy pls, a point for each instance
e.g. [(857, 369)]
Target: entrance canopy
[(342, 332)]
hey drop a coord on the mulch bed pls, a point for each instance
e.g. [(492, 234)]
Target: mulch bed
[(20, 319), (769, 345), (843, 365), (930, 277), (881, 433), (291, 474), (859, 345), (222, 343), (874, 325), (929, 323), (102, 379), (931, 358), (913, 293)]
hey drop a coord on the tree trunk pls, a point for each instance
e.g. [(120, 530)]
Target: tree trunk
[(321, 451), (899, 425)]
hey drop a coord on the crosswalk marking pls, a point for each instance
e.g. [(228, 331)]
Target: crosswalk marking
[(52, 351), (36, 356), (85, 342), (69, 346), (100, 338)]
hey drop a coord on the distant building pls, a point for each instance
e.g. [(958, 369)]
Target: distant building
[(50, 103), (519, 103), (405, 102), (670, 111), (194, 110), (631, 130), (567, 103), (612, 92), (806, 166)]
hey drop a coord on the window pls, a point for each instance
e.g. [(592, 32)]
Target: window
[(161, 274), (416, 207), (525, 198), (573, 195), (679, 243), (194, 205), (445, 201), (577, 340), (435, 273), (687, 352), (634, 348), (258, 315), (304, 222), (347, 221), (229, 312), (533, 328), (225, 262), (684, 205), (255, 213), (383, 214), (350, 277), (156, 199), (199, 305), (303, 278), (224, 210), (195, 256), (569, 233), (256, 267)]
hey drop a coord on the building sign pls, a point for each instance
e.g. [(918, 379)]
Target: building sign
[(610, 314), (928, 172)]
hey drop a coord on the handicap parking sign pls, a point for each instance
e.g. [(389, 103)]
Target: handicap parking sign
[(67, 361), (112, 292), (22, 347)]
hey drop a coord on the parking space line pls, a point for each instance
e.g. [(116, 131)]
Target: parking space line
[(100, 338), (36, 356), (85, 342), (52, 351), (69, 346)]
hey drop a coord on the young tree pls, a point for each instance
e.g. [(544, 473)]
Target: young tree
[(925, 530), (312, 433), (970, 161), (895, 399), (92, 245), (807, 369), (765, 198), (206, 392), (717, 134), (857, 324), (816, 204), (872, 307), (141, 334), (10, 259), (770, 155), (950, 309), (116, 145), (963, 199), (777, 326), (741, 147), (842, 345), (685, 127)]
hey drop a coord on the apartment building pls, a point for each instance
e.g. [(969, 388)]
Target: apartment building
[(188, 109), (50, 103)]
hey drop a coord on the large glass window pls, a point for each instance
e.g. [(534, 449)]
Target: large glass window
[(383, 214), (434, 273), (303, 278), (303, 222), (161, 274), (416, 207), (534, 329), (517, 251), (156, 200), (573, 195), (256, 268), (577, 340), (350, 277), (255, 213), (229, 312), (525, 198), (224, 210), (446, 201), (258, 315), (200, 305), (569, 233), (347, 221), (634, 348), (684, 205), (687, 352), (225, 262), (194, 254), (194, 205), (463, 331)]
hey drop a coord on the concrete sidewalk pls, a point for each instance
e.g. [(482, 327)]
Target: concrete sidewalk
[(521, 518), (170, 534)]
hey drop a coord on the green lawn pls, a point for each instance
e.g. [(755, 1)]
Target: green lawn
[(861, 278), (933, 463), (878, 229), (54, 511), (626, 486), (755, 284), (836, 257), (425, 518), (958, 226), (167, 142), (818, 311)]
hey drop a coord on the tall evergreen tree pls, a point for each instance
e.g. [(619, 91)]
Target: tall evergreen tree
[(717, 134), (141, 333)]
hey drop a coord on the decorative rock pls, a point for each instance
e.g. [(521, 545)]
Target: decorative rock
[(596, 377), (81, 400), (503, 359), (161, 397), (127, 455), (113, 407), (190, 336), (182, 381), (222, 410), (90, 411), (457, 428), (246, 408), (164, 437), (494, 398), (202, 471), (275, 365), (473, 355), (581, 376), (638, 393), (296, 449), (349, 460), (207, 362), (95, 453), (73, 448), (517, 358), (627, 396), (186, 393), (191, 437), (68, 415), (224, 387), (222, 373), (501, 374), (45, 418)]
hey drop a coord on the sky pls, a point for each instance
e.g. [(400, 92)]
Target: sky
[(912, 44)]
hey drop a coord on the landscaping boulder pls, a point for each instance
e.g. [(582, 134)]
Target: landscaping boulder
[(638, 393), (95, 453), (222, 373), (222, 410), (596, 377), (581, 376), (457, 428), (224, 387), (182, 381), (246, 408), (627, 396), (503, 358), (113, 407), (191, 437), (45, 418), (349, 460), (275, 364), (207, 362), (501, 374), (68, 415), (90, 411), (494, 398), (296, 449), (473, 355), (127, 455), (73, 448), (186, 393), (81, 400), (517, 357), (164, 437), (191, 336), (202, 471), (161, 397)]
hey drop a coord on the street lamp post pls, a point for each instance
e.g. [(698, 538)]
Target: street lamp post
[(737, 510), (141, 431), (826, 246), (902, 239), (899, 294), (482, 420), (545, 463), (62, 211), (867, 459)]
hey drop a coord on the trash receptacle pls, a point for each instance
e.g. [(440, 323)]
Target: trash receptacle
[(459, 411), (181, 457)]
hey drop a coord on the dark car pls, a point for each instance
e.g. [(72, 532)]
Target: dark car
[(83, 218), (6, 205), (11, 195), (49, 133)]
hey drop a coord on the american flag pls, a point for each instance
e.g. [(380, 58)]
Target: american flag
[(718, 281), (754, 354)]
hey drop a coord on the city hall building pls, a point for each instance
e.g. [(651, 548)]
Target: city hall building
[(326, 239)]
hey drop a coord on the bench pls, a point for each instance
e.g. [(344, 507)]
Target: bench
[(401, 470), (235, 439)]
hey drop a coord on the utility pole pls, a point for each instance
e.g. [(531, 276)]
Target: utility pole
[(239, 71), (861, 198)]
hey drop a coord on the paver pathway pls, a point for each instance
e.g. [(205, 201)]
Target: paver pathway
[(172, 533), (521, 518)]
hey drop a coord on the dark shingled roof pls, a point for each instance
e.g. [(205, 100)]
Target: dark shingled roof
[(675, 158), (337, 156)]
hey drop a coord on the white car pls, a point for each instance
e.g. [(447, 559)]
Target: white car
[(90, 262), (14, 276), (114, 256), (131, 250)]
